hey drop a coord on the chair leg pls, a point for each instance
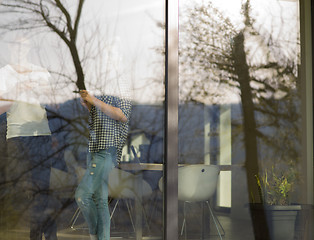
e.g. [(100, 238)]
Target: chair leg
[(129, 211), (216, 221), (182, 228), (184, 222), (77, 214), (114, 208), (74, 218), (112, 223), (78, 211), (146, 218), (154, 208)]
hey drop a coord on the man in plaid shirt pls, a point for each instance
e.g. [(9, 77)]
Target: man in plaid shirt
[(109, 119)]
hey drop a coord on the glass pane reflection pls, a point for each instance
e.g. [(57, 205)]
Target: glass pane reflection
[(50, 50), (241, 110)]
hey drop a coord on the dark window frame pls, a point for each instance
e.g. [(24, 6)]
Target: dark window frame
[(170, 216)]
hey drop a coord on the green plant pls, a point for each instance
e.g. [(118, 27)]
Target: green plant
[(276, 185)]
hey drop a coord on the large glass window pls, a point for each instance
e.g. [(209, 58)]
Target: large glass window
[(241, 113), (49, 51), (240, 151)]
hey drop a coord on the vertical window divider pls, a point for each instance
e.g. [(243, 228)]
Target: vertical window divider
[(307, 99), (170, 215)]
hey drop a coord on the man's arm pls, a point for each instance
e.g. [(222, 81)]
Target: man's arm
[(112, 112)]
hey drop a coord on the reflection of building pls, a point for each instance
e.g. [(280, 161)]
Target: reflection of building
[(207, 134)]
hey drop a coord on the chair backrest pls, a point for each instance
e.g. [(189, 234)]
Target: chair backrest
[(197, 182), (136, 159), (123, 184)]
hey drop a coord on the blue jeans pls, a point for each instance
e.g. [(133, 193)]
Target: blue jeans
[(92, 193)]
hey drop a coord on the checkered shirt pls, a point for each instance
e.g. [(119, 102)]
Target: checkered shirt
[(105, 132)]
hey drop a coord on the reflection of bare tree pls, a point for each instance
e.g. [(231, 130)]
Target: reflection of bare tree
[(219, 53), (92, 55), (68, 121), (93, 59), (224, 58), (53, 15)]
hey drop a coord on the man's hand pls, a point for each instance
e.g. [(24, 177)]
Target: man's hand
[(84, 99), (112, 112), (87, 97)]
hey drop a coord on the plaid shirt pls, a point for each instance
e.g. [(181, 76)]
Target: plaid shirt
[(105, 132)]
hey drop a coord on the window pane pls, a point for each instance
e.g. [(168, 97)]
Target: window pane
[(53, 140), (240, 111)]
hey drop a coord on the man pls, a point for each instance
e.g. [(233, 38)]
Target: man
[(109, 118)]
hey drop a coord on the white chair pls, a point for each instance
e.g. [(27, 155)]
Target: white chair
[(125, 185), (197, 183), (62, 183), (122, 185)]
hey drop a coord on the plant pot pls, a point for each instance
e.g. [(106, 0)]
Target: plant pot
[(280, 221)]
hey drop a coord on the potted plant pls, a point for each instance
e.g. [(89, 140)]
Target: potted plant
[(276, 186)]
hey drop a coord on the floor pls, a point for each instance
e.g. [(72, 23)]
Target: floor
[(234, 230), (121, 226)]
